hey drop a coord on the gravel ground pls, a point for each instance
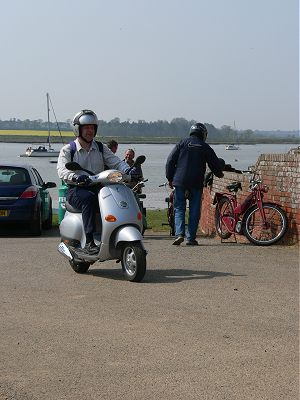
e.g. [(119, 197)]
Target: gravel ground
[(218, 321)]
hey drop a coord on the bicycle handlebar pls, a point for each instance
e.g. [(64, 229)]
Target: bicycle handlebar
[(229, 168)]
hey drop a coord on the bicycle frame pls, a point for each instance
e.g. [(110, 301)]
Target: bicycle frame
[(170, 209)]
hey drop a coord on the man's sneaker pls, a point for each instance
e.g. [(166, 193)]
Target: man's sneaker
[(178, 240), (91, 248), (192, 243)]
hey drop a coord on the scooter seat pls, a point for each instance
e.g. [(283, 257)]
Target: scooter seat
[(71, 208)]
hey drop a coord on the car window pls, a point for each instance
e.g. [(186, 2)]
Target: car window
[(14, 176), (37, 176)]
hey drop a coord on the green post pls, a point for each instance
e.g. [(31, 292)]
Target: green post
[(62, 192)]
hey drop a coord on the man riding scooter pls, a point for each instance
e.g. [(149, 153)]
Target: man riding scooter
[(90, 155)]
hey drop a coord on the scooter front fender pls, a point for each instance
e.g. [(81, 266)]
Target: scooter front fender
[(128, 234)]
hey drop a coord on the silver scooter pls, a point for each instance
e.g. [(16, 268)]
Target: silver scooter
[(118, 226)]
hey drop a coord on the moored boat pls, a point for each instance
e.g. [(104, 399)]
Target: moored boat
[(231, 147), (42, 151)]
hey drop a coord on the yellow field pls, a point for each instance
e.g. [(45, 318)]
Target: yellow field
[(35, 133)]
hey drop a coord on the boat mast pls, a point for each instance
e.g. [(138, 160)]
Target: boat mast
[(237, 135), (48, 111)]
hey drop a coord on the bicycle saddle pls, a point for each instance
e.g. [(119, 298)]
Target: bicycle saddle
[(234, 186)]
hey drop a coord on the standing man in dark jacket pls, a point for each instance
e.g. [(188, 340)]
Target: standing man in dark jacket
[(185, 171)]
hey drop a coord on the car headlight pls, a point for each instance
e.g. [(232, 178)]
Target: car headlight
[(115, 176)]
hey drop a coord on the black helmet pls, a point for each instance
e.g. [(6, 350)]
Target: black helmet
[(199, 129)]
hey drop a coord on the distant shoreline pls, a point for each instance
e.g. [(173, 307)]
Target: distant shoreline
[(37, 139)]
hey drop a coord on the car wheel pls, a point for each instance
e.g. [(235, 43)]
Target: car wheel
[(48, 223), (36, 224)]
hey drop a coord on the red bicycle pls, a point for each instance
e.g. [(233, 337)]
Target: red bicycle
[(263, 223)]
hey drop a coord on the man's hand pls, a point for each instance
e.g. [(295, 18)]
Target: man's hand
[(82, 180), (134, 174), (170, 184)]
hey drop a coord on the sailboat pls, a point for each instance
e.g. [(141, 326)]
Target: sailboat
[(42, 151), (233, 146)]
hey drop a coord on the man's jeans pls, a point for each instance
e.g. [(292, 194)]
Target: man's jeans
[(195, 198)]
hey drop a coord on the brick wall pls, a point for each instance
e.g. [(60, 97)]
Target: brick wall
[(281, 172)]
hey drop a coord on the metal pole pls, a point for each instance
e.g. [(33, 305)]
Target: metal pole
[(48, 110)]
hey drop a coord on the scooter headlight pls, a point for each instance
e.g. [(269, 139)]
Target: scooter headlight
[(115, 176)]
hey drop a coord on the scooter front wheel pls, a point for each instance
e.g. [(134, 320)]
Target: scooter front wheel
[(133, 261), (79, 267)]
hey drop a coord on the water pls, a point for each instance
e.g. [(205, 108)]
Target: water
[(153, 168)]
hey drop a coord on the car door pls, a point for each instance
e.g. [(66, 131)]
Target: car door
[(44, 194)]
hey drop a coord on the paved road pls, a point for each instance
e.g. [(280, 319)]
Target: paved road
[(219, 321)]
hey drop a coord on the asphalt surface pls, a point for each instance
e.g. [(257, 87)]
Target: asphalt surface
[(218, 321)]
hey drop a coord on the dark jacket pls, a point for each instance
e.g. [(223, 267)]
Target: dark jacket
[(186, 163)]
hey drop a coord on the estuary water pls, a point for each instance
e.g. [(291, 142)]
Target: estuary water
[(153, 168)]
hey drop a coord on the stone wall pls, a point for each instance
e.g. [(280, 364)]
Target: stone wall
[(281, 172)]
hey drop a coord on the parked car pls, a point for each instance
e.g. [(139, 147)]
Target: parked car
[(24, 198)]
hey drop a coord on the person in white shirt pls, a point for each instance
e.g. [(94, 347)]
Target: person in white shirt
[(92, 156)]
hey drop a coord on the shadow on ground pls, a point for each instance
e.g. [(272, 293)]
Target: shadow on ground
[(203, 241), (162, 275), (19, 231)]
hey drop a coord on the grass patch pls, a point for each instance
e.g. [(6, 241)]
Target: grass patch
[(55, 219), (34, 133), (156, 219), (21, 136)]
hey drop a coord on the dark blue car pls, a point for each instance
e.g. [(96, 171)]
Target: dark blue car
[(24, 198)]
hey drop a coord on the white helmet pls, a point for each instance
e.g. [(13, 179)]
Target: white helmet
[(84, 117)]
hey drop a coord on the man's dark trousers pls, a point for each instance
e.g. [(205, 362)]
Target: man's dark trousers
[(86, 200)]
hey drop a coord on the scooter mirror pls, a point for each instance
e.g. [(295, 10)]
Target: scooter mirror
[(73, 166), (139, 160)]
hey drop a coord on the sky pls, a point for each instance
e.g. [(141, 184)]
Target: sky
[(223, 62)]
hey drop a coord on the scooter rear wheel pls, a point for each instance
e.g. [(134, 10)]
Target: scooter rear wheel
[(133, 261), (79, 267)]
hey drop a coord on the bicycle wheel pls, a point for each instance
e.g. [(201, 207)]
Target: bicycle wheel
[(224, 213), (171, 220), (265, 234)]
